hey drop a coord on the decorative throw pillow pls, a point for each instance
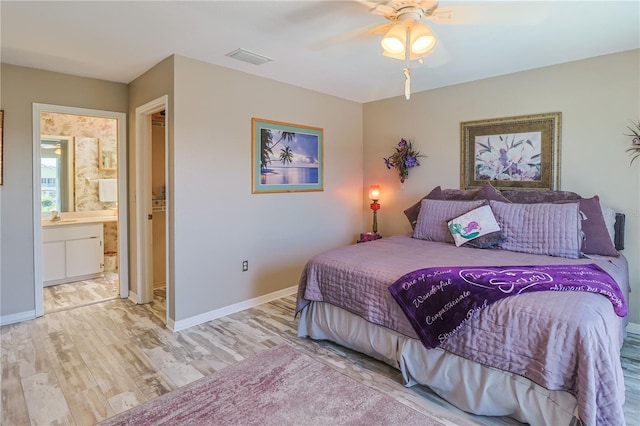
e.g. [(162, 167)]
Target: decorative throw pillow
[(412, 212), (544, 228), (597, 239), (460, 194), (473, 224), (434, 215), (489, 241), (488, 192), (610, 220), (527, 196)]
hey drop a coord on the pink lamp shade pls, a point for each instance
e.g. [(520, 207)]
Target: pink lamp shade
[(374, 192)]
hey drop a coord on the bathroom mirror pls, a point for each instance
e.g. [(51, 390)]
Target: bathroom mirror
[(79, 153)]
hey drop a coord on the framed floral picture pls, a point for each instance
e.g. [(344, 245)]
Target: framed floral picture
[(285, 157), (520, 152)]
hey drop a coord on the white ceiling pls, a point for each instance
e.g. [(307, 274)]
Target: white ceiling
[(318, 45)]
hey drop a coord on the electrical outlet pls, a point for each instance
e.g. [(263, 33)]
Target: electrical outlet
[(245, 265)]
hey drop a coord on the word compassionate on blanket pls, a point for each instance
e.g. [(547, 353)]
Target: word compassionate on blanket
[(438, 301)]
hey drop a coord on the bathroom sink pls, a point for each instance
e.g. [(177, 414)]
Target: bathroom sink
[(63, 221)]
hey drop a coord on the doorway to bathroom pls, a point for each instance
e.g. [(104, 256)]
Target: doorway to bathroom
[(80, 220)]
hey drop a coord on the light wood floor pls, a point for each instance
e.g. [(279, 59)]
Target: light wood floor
[(81, 293), (82, 365)]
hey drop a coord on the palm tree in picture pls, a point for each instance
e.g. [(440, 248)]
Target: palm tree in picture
[(267, 144), (286, 155), (266, 139)]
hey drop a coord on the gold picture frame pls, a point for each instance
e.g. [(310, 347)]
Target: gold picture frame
[(520, 152)]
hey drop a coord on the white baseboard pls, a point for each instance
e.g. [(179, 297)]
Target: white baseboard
[(19, 317), (171, 325), (133, 297), (228, 310), (632, 327)]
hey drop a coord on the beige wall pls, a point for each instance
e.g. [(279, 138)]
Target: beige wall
[(598, 98), (218, 222), (21, 87), (151, 85)]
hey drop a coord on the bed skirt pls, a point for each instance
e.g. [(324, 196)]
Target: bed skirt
[(470, 386)]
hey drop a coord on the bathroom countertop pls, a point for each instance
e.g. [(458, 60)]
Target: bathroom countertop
[(79, 220)]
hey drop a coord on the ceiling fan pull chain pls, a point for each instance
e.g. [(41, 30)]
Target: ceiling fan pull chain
[(407, 83), (407, 70)]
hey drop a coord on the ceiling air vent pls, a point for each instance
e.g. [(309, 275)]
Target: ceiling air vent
[(250, 57)]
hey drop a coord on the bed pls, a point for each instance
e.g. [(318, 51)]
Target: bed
[(541, 358)]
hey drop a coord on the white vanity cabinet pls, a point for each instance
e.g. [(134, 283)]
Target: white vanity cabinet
[(71, 252)]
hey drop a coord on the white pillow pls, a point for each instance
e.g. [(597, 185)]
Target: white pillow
[(609, 220), (473, 224)]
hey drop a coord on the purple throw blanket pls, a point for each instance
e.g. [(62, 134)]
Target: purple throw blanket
[(438, 301)]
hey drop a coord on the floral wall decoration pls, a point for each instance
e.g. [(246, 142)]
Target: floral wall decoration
[(634, 150), (404, 158)]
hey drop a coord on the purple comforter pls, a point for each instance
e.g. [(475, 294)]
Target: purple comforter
[(566, 341), (438, 301)]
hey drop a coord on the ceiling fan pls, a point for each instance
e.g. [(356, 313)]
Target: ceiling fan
[(407, 37), (396, 10)]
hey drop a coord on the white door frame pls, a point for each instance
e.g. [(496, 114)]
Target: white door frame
[(144, 210), (123, 224)]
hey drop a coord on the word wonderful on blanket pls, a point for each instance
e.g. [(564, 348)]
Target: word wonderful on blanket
[(439, 301)]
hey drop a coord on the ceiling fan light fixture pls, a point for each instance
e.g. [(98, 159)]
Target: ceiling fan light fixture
[(414, 34), (394, 41), (422, 39)]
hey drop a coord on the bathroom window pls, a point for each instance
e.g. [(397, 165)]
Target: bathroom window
[(53, 174), (50, 172)]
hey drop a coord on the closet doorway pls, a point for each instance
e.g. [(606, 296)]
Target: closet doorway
[(153, 268)]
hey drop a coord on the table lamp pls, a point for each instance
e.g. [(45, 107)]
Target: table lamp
[(374, 194)]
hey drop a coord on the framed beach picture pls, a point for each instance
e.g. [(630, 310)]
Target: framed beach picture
[(520, 152), (285, 157)]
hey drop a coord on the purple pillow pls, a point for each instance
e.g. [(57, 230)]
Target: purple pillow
[(412, 212), (434, 215), (594, 229), (460, 194), (541, 228), (488, 192), (524, 196)]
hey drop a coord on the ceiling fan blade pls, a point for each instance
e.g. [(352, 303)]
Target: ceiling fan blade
[(442, 16), (360, 33), (377, 7), (383, 9), (490, 13), (380, 29)]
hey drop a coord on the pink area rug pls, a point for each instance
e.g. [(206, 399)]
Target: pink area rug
[(280, 386)]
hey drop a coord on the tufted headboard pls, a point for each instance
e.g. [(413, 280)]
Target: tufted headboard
[(619, 228)]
